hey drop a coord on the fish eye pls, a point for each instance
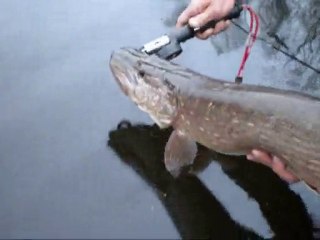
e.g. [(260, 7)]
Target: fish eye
[(141, 74)]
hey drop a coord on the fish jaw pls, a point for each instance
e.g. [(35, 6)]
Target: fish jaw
[(120, 68), (150, 94)]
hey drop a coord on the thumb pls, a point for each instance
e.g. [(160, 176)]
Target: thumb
[(209, 14)]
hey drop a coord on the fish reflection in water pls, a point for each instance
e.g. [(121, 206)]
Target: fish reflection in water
[(193, 208)]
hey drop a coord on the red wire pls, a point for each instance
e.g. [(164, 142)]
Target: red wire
[(250, 41)]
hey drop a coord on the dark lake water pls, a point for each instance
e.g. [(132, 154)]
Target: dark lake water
[(67, 172)]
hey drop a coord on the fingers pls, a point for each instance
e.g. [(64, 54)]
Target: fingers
[(192, 10), (204, 35), (274, 163), (260, 157), (279, 168), (220, 26), (211, 12)]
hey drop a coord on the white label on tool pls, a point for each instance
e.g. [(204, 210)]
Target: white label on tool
[(156, 44)]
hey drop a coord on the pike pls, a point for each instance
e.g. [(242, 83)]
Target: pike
[(224, 116)]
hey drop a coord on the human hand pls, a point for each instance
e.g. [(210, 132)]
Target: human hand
[(274, 163), (199, 12)]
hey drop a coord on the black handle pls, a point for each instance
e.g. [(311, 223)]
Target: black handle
[(187, 32)]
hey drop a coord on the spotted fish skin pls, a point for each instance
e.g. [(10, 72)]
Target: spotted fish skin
[(221, 115)]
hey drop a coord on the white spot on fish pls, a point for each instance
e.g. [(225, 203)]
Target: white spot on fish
[(192, 113), (201, 129), (182, 117), (207, 119), (188, 122), (250, 124), (153, 104), (296, 140), (314, 162), (263, 136), (181, 133), (222, 140), (216, 135), (210, 107), (312, 166), (235, 121)]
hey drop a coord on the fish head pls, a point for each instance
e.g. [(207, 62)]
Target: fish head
[(136, 78)]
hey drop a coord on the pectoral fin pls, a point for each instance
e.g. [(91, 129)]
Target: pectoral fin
[(180, 151)]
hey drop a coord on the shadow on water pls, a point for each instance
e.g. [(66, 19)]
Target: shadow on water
[(194, 209)]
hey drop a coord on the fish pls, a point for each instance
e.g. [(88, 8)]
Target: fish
[(224, 116)]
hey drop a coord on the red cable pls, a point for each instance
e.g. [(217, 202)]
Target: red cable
[(250, 41)]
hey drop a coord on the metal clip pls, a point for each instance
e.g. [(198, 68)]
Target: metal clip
[(156, 44)]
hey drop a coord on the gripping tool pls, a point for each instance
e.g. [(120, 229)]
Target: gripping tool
[(168, 46)]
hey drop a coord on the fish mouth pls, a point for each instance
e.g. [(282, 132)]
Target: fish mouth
[(124, 64), (121, 65), (121, 78)]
